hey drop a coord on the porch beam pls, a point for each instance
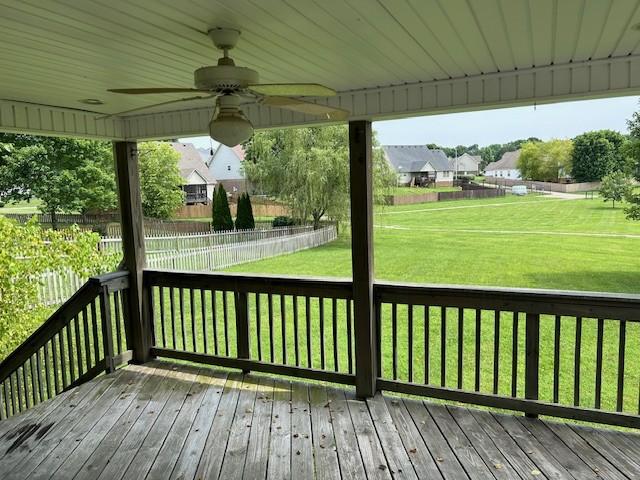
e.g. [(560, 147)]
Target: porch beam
[(361, 182), (132, 232)]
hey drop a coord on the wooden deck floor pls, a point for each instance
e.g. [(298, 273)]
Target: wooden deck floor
[(162, 420)]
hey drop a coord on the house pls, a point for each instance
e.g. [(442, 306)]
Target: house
[(418, 165), (225, 165), (506, 167), (465, 164), (198, 181)]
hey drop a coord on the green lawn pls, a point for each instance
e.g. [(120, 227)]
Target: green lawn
[(531, 241), (31, 206)]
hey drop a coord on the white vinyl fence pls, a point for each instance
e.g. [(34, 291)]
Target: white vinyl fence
[(198, 252)]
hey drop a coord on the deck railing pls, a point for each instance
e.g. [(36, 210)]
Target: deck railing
[(296, 327), (84, 337), (565, 354)]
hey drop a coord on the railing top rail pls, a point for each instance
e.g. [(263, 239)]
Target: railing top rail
[(619, 306), (254, 283)]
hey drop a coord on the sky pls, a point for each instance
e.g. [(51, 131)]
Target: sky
[(559, 120)]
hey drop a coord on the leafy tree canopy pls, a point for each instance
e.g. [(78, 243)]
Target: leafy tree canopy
[(596, 154), (67, 175), (160, 180), (490, 153), (308, 168), (615, 187), (545, 161)]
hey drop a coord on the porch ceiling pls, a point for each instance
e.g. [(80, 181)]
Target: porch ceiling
[(387, 58)]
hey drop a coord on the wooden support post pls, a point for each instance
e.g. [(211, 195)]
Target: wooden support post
[(532, 358), (131, 223), (361, 182), (107, 330)]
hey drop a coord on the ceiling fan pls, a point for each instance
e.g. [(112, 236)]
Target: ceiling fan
[(233, 86)]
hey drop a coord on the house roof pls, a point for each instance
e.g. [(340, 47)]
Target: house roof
[(413, 158), (509, 161), (191, 161), (465, 162)]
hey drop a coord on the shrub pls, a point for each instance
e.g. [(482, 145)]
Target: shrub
[(27, 251), (244, 213), (221, 213), (283, 221)]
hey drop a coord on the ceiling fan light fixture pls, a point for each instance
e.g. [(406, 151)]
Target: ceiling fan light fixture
[(230, 128)]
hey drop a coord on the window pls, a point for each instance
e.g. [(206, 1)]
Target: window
[(229, 168)]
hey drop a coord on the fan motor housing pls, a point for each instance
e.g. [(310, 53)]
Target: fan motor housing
[(224, 78)]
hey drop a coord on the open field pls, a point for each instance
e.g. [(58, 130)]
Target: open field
[(535, 242), (21, 207)]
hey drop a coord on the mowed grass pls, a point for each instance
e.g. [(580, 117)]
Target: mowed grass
[(536, 242), (533, 241)]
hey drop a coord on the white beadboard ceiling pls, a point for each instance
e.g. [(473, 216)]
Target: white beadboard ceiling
[(55, 53)]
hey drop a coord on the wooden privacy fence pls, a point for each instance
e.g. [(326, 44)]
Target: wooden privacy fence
[(87, 335), (216, 257)]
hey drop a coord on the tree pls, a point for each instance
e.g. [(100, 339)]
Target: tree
[(615, 187), (221, 214), (160, 180), (66, 175), (244, 213), (545, 161), (308, 169), (596, 154)]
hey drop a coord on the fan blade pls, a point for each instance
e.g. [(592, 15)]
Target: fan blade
[(199, 97), (293, 89), (144, 91), (308, 108)]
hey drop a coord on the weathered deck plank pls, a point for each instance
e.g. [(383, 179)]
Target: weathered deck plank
[(164, 420)]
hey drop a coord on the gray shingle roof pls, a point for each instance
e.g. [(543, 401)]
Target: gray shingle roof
[(190, 161), (413, 158), (509, 161)]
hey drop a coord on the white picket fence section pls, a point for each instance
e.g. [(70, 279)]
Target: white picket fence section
[(198, 253), (182, 242), (224, 256), (56, 287)]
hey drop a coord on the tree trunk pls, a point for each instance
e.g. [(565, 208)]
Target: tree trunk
[(54, 220)]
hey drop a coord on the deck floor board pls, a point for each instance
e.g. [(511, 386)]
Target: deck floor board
[(166, 420)]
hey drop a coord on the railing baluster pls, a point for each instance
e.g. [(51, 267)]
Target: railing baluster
[(556, 359), (410, 341), (63, 363), (514, 354), (460, 345), (622, 341), (243, 349), (283, 328), (214, 318), (192, 313), (32, 375), (163, 332), (72, 365), (18, 405), (258, 327), (532, 358), (172, 306), (307, 313), (183, 330), (576, 362), (349, 339), (47, 369), (478, 343), (599, 345), (78, 342), (377, 313), (225, 319), (427, 349), (107, 330), (94, 331), (394, 341), (41, 395), (203, 318), (443, 346), (321, 318), (496, 351), (296, 348), (87, 340), (334, 322), (116, 306), (270, 313)]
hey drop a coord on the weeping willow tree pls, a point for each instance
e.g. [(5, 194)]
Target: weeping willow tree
[(308, 169)]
